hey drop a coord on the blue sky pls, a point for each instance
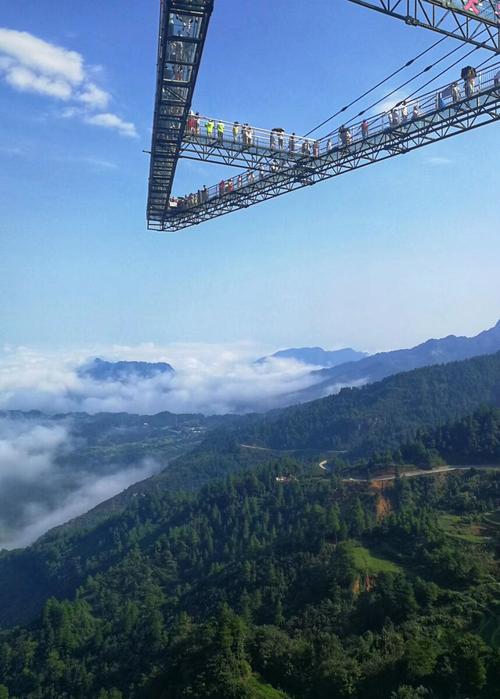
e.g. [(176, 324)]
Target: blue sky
[(380, 258)]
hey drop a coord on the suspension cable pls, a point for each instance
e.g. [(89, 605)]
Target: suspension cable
[(379, 84), (415, 77), (412, 94)]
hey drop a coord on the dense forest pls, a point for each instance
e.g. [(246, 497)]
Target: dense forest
[(227, 577), (278, 584), (471, 440)]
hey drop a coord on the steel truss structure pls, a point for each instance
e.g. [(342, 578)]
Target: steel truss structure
[(183, 28), (447, 17), (468, 114), (273, 163), (234, 154)]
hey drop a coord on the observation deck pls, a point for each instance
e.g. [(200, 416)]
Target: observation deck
[(454, 108)]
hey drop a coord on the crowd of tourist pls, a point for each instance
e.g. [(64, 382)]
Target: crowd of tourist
[(246, 137)]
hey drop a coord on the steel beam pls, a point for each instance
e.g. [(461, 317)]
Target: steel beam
[(182, 32), (478, 25)]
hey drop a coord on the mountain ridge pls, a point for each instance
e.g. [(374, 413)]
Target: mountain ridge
[(378, 366), (316, 356), (124, 370)]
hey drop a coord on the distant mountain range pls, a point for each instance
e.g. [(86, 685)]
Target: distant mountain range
[(378, 366), (317, 356), (101, 370)]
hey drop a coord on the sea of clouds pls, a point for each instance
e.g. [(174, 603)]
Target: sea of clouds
[(38, 491), (210, 379)]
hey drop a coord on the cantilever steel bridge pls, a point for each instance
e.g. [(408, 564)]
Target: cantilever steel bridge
[(273, 163)]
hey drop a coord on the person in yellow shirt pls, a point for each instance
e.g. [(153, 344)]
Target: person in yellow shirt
[(220, 131), (210, 126)]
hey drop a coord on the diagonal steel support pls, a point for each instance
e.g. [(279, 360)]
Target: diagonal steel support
[(234, 154), (447, 17)]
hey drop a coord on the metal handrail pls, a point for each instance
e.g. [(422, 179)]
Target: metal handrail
[(383, 122)]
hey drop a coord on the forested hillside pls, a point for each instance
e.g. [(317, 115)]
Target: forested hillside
[(384, 414), (277, 584), (378, 366), (474, 439)]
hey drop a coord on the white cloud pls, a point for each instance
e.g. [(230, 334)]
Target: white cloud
[(91, 491), (112, 121), (94, 97), (39, 491), (30, 64), (31, 447), (99, 163), (209, 379), (26, 80), (41, 56), (438, 161)]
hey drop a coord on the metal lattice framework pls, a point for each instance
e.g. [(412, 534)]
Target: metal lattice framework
[(478, 26), (183, 28), (452, 119), (273, 163)]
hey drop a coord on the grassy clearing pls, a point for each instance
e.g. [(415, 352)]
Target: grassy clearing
[(456, 527), (260, 690), (369, 564)]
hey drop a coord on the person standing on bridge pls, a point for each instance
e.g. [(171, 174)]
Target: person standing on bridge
[(455, 92), (365, 128), (272, 140), (291, 143), (220, 131), (469, 77), (404, 112), (440, 103), (236, 132), (191, 124), (210, 126)]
